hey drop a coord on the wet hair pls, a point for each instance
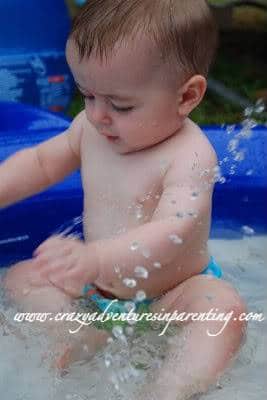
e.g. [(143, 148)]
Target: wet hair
[(184, 31)]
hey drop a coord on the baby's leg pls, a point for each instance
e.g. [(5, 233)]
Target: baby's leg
[(46, 298), (195, 360)]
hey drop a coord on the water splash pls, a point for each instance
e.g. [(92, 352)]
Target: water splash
[(140, 295), (14, 239), (71, 228), (247, 230), (130, 283), (134, 246), (146, 252), (175, 239), (141, 272), (157, 265)]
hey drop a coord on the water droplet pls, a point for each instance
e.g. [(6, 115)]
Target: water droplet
[(129, 330), (108, 360), (141, 272), (130, 283), (232, 145), (157, 265), (205, 172), (217, 173), (15, 239), (247, 230), (163, 164), (232, 170), (192, 214), (249, 172), (248, 111), (115, 382), (230, 129), (140, 295), (139, 214), (134, 246), (117, 331), (117, 269), (222, 180), (146, 253), (239, 156), (129, 306), (175, 239), (259, 106), (209, 297), (247, 125), (85, 348), (194, 195)]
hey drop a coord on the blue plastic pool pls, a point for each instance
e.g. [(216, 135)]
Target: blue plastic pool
[(33, 68), (241, 200)]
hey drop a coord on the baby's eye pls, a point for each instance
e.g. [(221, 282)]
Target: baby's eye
[(122, 109), (88, 97)]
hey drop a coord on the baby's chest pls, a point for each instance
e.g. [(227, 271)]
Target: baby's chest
[(119, 196)]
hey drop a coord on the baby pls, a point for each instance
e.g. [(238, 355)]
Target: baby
[(148, 174)]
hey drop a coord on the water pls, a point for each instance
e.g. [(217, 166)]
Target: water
[(128, 360), (25, 373)]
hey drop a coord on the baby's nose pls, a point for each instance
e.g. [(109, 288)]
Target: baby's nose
[(99, 114)]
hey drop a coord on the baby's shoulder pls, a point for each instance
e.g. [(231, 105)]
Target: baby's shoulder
[(195, 144), (75, 132), (192, 152)]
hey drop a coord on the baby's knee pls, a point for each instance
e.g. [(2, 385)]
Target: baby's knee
[(225, 297), (18, 280), (16, 276)]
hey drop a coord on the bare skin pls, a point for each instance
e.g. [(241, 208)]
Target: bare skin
[(134, 187)]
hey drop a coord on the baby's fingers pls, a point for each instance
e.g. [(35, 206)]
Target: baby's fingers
[(52, 242), (52, 257), (69, 286)]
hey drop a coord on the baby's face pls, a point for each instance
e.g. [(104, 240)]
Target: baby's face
[(128, 98)]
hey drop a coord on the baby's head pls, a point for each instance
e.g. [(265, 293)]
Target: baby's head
[(141, 65)]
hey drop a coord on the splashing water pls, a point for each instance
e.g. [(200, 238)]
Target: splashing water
[(175, 239), (141, 272), (129, 282), (134, 246), (128, 359), (157, 265), (140, 295)]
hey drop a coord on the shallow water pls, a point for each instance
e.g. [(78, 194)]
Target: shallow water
[(25, 374)]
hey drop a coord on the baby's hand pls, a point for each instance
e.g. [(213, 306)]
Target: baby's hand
[(64, 262)]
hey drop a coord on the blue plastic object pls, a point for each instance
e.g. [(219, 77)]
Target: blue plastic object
[(241, 200), (33, 68)]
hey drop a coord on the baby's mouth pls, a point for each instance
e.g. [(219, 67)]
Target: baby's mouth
[(110, 137)]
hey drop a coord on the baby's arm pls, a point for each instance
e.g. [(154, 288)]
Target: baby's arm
[(187, 188), (32, 170), (71, 265)]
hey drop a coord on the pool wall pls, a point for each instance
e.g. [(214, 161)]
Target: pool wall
[(239, 201)]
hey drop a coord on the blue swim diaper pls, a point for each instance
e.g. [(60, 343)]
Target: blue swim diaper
[(122, 306)]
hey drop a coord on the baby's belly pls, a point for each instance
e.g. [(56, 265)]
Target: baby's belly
[(111, 220)]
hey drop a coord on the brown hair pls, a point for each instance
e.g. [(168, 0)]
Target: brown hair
[(183, 30)]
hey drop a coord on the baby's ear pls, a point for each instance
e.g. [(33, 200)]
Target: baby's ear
[(191, 94)]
